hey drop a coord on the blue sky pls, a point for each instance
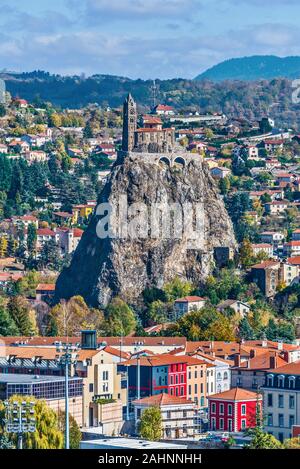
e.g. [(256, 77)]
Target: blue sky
[(143, 38)]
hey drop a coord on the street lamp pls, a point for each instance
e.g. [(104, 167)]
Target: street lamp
[(68, 356), (19, 419)]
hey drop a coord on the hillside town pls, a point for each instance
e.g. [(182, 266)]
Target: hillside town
[(216, 362)]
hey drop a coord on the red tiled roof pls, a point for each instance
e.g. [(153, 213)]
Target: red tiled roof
[(261, 362), (117, 353), (154, 130), (45, 232), (294, 260), (235, 394), (164, 107), (45, 287), (265, 265), (289, 368), (191, 299), (77, 232), (160, 400), (9, 277), (292, 243)]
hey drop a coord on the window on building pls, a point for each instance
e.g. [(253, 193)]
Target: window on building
[(221, 424), (270, 380), (213, 408), (182, 391), (292, 382), (196, 388), (190, 389), (292, 402), (270, 420), (190, 375), (169, 415), (229, 408), (280, 401), (280, 420), (225, 375), (91, 387), (291, 420), (213, 423), (221, 408), (182, 379), (243, 409), (270, 400), (230, 425), (281, 381), (243, 424)]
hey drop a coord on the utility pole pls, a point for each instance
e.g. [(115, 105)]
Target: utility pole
[(67, 356), (19, 419), (137, 349)]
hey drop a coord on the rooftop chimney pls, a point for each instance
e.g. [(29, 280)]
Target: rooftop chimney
[(280, 345), (273, 362), (237, 360)]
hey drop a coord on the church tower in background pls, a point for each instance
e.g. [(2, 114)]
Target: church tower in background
[(129, 123)]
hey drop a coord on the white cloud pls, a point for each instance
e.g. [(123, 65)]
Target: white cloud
[(97, 10)]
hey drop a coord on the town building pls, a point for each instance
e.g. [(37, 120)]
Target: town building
[(178, 414), (234, 410), (267, 276), (262, 248), (188, 304), (282, 400), (241, 308), (272, 237), (48, 388), (250, 374)]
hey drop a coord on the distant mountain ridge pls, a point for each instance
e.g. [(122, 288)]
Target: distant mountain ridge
[(256, 67)]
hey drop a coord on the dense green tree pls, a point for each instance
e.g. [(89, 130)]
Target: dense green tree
[(120, 318), (245, 330), (262, 440), (47, 434), (177, 289), (75, 433), (88, 131), (150, 426), (18, 309), (31, 238), (7, 324)]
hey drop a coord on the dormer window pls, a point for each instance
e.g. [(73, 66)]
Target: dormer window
[(281, 381), (270, 380), (292, 382)]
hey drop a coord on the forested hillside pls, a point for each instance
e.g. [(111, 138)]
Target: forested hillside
[(250, 100)]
